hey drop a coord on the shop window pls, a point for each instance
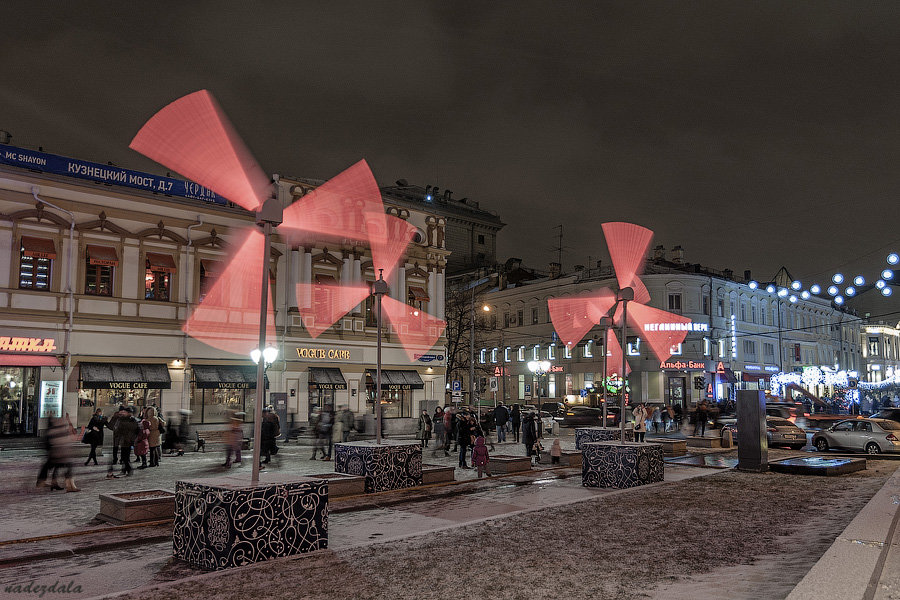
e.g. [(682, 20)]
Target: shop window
[(36, 256), (100, 264), (159, 269), (216, 405), (19, 400)]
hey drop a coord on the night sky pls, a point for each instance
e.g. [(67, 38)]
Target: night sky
[(753, 134)]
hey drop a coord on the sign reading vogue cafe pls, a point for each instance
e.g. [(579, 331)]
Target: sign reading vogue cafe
[(328, 353)]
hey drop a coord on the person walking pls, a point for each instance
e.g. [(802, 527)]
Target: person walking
[(424, 432), (142, 441), (58, 442), (480, 457), (529, 433), (326, 424), (501, 416), (437, 424), (94, 434), (346, 419), (112, 425), (127, 428), (234, 440), (157, 428), (515, 416), (463, 438), (640, 422), (270, 429), (702, 417)]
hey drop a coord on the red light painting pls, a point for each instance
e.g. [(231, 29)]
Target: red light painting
[(627, 245), (574, 316), (193, 136), (228, 316), (389, 237), (614, 355), (657, 335), (327, 303), (417, 330)]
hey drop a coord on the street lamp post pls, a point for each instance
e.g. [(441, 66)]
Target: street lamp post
[(539, 368), (625, 295), (379, 289), (605, 323)]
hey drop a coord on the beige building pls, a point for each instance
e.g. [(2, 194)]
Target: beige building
[(100, 267)]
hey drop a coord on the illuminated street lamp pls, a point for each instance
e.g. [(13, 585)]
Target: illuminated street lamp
[(539, 368)]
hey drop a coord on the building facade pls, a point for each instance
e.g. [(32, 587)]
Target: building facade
[(740, 337), (101, 266)]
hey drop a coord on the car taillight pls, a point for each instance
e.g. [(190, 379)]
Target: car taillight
[(891, 437)]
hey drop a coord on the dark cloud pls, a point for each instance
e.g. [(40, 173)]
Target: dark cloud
[(753, 134)]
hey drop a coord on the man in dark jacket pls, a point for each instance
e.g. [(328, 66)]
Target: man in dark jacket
[(529, 433), (111, 424), (501, 416), (463, 438), (127, 431), (270, 429)]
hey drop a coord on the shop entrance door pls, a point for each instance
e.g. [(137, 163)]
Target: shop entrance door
[(675, 391), (19, 400)]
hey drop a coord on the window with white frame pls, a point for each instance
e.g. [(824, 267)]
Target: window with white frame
[(495, 355), (482, 356), (551, 352), (567, 351), (749, 348), (588, 351), (506, 354), (521, 354), (536, 352), (769, 351)]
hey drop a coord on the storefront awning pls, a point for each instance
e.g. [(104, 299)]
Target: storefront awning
[(224, 377), (34, 247), (398, 380), (419, 294), (124, 376), (102, 256), (163, 263), (28, 360), (326, 378)]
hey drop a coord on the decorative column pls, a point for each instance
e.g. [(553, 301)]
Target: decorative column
[(294, 278)]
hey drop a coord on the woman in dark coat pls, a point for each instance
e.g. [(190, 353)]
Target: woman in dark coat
[(516, 418), (94, 434), (529, 434)]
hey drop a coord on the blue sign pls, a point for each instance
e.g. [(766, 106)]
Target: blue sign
[(527, 389), (81, 169), (429, 357), (584, 393), (457, 386)]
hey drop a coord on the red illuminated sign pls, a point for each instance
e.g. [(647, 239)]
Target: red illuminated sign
[(24, 344), (683, 365)]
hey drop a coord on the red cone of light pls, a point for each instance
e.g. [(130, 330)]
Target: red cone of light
[(574, 316), (614, 355), (659, 328), (627, 245), (328, 303), (194, 137), (417, 331), (228, 316), (389, 236)]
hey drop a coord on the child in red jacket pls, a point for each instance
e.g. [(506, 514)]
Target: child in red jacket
[(480, 456)]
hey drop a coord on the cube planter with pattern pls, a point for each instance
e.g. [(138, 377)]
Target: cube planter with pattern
[(617, 465), (390, 465)]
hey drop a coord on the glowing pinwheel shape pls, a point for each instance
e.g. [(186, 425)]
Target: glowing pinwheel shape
[(193, 136), (574, 316)]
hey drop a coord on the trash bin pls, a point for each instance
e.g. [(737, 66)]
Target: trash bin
[(727, 441)]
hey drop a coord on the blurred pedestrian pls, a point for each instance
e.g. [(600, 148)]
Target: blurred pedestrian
[(323, 430), (93, 435), (449, 429), (270, 429), (555, 452), (640, 422), (480, 457), (58, 442), (157, 428), (424, 432), (142, 441), (529, 433), (501, 417), (702, 417), (463, 438), (515, 417), (112, 425), (347, 421), (184, 431), (127, 430), (234, 439)]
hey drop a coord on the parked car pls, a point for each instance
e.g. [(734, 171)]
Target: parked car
[(872, 436), (582, 416), (556, 409), (547, 421), (779, 432)]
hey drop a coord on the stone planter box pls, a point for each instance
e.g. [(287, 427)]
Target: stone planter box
[(697, 441), (437, 474), (341, 484), (617, 465), (502, 464), (137, 507), (391, 465), (227, 522), (600, 434), (673, 447), (814, 465)]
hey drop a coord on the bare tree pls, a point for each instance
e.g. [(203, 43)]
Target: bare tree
[(458, 314)]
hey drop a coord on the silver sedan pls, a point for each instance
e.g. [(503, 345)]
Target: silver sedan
[(872, 436), (779, 432)]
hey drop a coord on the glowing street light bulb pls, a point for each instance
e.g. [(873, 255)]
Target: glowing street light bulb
[(838, 300), (793, 298), (782, 292), (859, 280), (887, 274), (880, 284), (893, 258), (816, 288), (850, 291), (753, 285), (886, 291), (770, 288), (805, 295), (832, 290), (838, 278), (796, 285)]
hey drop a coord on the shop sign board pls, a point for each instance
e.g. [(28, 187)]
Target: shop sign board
[(427, 358), (27, 344), (683, 365), (329, 353), (51, 399)]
